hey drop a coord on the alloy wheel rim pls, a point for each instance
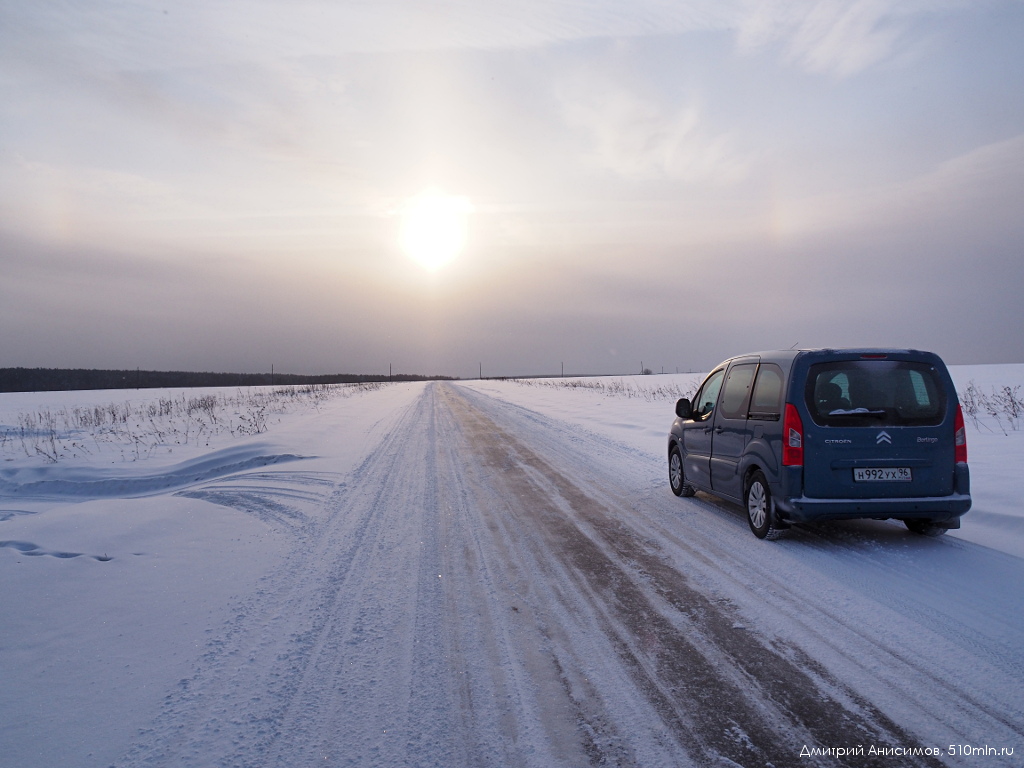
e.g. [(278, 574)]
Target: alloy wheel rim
[(756, 505), (675, 471)]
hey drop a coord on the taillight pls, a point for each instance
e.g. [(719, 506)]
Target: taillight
[(792, 438), (960, 437)]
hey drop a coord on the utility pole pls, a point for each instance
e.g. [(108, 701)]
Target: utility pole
[(481, 370)]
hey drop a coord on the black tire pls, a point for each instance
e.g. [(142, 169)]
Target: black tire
[(925, 528), (676, 478), (760, 511)]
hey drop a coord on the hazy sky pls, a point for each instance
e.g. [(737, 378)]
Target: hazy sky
[(221, 185)]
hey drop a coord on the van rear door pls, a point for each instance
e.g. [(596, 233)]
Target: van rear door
[(730, 428), (879, 428)]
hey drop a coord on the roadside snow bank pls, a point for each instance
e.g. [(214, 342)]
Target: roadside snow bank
[(118, 575), (93, 482), (101, 600)]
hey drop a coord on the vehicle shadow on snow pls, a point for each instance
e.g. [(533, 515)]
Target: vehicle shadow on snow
[(883, 533)]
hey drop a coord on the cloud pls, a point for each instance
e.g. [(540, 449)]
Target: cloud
[(827, 36), (640, 139), (840, 37), (1001, 159), (182, 33), (982, 185)]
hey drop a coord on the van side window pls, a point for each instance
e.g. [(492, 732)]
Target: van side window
[(737, 387), (766, 401), (704, 402)]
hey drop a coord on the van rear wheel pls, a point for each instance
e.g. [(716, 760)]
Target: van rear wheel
[(924, 527), (760, 511)]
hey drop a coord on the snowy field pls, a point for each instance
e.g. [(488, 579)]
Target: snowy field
[(489, 573)]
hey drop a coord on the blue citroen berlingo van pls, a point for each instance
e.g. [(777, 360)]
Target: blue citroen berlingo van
[(827, 434)]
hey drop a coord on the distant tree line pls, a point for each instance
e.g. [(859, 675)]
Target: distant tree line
[(61, 379)]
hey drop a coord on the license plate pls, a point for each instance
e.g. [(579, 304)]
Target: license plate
[(882, 475)]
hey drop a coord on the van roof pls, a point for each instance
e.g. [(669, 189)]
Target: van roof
[(790, 354)]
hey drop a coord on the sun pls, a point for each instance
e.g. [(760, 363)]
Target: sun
[(434, 228)]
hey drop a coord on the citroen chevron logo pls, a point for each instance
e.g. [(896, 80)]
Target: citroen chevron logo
[(883, 437)]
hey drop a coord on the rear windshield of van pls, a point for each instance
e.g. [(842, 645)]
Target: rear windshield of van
[(875, 393)]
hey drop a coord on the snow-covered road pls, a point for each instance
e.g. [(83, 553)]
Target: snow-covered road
[(487, 586)]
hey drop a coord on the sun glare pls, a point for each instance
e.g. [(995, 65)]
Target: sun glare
[(434, 228)]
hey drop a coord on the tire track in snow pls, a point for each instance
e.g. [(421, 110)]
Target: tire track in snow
[(920, 678), (886, 613), (361, 696), (726, 697), (379, 643), (530, 693), (308, 670)]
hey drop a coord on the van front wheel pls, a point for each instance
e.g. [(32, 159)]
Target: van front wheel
[(760, 512), (676, 477)]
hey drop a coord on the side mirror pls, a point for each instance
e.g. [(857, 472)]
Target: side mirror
[(683, 408)]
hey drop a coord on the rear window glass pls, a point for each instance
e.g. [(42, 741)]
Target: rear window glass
[(875, 393)]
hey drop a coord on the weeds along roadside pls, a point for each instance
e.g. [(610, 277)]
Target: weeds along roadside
[(617, 387), (1003, 405), (999, 409), (133, 430)]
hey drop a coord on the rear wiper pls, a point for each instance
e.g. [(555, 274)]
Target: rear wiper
[(877, 413)]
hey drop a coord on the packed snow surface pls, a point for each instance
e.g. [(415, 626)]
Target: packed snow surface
[(488, 573)]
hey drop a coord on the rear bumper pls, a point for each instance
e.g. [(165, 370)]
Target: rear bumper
[(938, 509)]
